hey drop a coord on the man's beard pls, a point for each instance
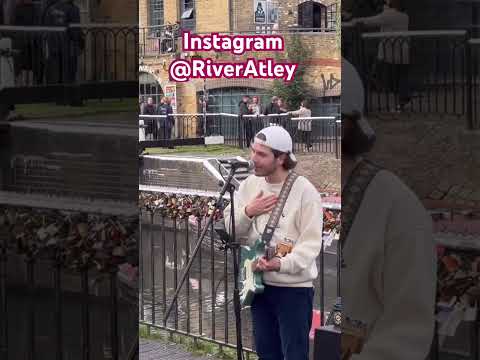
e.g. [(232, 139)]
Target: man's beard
[(266, 171)]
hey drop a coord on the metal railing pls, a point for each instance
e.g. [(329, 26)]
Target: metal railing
[(420, 71), (86, 56), (170, 225), (54, 262), (473, 84), (417, 71), (156, 40), (312, 134)]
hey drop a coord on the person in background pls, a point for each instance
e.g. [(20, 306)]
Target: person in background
[(244, 109), (272, 108), (257, 109), (305, 125), (282, 106), (167, 122), (393, 54), (149, 109)]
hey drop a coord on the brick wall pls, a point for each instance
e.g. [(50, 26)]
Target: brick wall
[(323, 67), (143, 13), (117, 11), (212, 15), (171, 11)]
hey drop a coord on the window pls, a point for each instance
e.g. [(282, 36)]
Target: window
[(312, 15), (187, 18), (332, 17), (226, 100), (156, 12), (148, 86)]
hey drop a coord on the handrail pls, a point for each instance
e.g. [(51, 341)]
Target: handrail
[(416, 33)]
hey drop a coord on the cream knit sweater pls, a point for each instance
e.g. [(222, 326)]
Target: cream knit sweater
[(389, 277), (301, 222)]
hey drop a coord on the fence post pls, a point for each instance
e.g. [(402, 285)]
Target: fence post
[(362, 68), (337, 155), (3, 293), (468, 59), (240, 131)]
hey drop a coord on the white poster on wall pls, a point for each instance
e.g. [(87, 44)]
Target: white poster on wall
[(171, 93), (272, 11), (260, 13)]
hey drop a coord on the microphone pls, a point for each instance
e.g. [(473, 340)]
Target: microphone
[(241, 164)]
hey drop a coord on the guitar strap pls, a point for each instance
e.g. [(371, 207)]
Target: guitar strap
[(352, 197), (353, 193), (277, 210)]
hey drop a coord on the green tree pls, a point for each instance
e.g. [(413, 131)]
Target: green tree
[(294, 91)]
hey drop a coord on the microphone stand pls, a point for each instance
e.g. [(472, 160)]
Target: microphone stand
[(227, 186)]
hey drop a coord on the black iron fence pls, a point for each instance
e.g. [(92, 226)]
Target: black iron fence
[(417, 71), (309, 134), (55, 262), (157, 40), (86, 55), (170, 225), (473, 85)]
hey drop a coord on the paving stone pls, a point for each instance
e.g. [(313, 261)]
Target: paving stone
[(159, 350)]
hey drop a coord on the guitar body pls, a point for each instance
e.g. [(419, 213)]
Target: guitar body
[(251, 283)]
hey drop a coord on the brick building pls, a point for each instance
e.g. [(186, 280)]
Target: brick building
[(313, 21)]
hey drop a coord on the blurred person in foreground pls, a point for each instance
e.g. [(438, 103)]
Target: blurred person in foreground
[(388, 274)]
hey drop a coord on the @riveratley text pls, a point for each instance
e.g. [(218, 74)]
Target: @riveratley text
[(182, 70)]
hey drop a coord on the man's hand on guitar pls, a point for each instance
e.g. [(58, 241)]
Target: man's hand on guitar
[(268, 265), (261, 205)]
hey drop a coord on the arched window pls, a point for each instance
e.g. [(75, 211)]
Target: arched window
[(226, 100), (148, 86), (312, 15)]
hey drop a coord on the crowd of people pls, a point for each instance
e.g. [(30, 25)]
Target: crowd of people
[(253, 114), (277, 106), (160, 127)]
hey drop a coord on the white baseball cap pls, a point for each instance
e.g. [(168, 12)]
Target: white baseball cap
[(353, 92), (276, 138), (353, 96)]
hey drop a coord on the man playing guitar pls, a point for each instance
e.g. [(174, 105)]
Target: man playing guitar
[(282, 313)]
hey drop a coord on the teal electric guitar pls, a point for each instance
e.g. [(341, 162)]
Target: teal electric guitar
[(250, 281)]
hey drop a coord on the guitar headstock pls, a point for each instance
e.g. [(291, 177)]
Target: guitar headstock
[(354, 334)]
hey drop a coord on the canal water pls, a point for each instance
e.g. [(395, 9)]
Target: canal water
[(205, 305)]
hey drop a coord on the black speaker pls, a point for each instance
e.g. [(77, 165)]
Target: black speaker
[(327, 343)]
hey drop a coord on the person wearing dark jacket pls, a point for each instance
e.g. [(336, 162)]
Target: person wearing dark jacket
[(273, 107), (149, 109), (167, 123), (244, 109)]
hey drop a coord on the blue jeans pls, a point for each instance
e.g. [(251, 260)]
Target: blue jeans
[(282, 318)]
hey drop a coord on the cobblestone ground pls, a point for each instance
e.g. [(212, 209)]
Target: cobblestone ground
[(323, 170), (163, 350), (435, 155)]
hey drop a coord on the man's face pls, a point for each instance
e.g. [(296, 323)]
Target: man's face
[(149, 101), (265, 163)]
